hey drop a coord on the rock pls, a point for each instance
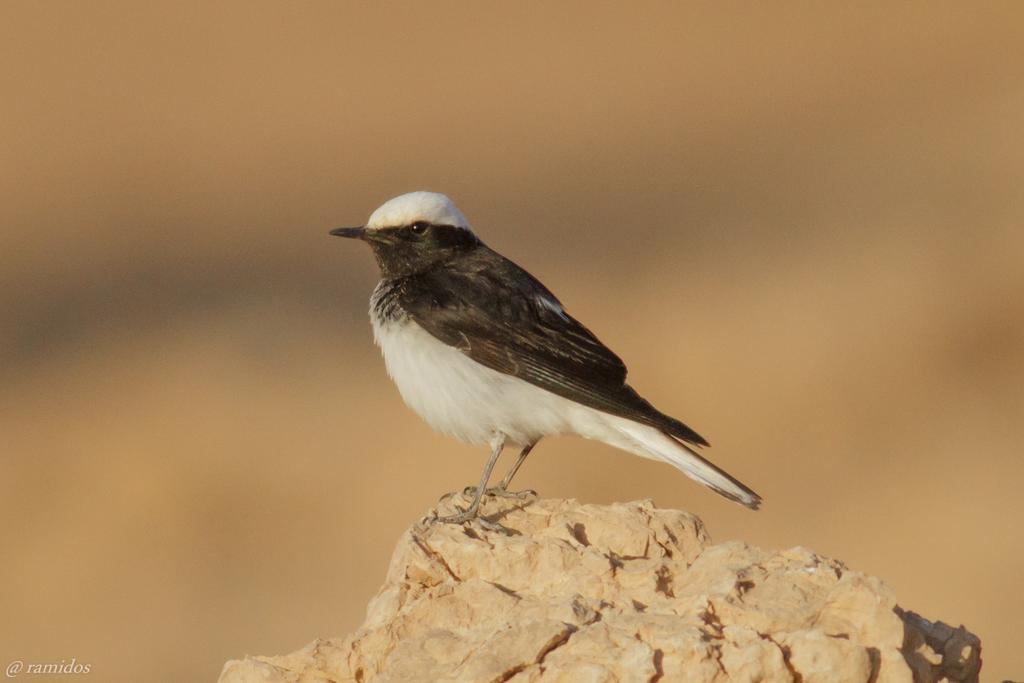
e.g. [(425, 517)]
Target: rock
[(622, 592)]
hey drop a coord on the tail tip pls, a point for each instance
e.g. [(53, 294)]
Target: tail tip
[(746, 497)]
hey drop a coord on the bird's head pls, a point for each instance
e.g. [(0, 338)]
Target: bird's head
[(414, 232)]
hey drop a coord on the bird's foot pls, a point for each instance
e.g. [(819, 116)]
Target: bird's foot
[(460, 518), (499, 492), (525, 494), (471, 516)]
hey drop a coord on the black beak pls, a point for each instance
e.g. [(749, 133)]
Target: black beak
[(355, 233)]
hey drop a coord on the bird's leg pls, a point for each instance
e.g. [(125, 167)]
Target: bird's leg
[(502, 488), (469, 514)]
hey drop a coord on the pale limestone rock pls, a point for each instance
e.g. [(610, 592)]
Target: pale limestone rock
[(623, 592)]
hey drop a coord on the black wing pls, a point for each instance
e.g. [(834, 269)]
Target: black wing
[(502, 317)]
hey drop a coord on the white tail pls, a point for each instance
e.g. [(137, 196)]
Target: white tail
[(652, 443)]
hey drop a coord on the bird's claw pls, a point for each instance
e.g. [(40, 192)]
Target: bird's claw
[(458, 518), (472, 517), (499, 492), (525, 494)]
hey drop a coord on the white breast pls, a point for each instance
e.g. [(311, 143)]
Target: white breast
[(462, 398)]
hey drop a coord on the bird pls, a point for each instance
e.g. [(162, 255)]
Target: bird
[(485, 353)]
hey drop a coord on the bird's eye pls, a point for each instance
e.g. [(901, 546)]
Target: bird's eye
[(419, 227)]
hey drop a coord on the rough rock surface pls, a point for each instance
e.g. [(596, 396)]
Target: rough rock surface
[(623, 592)]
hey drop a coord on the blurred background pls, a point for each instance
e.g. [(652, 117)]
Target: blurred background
[(801, 226)]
